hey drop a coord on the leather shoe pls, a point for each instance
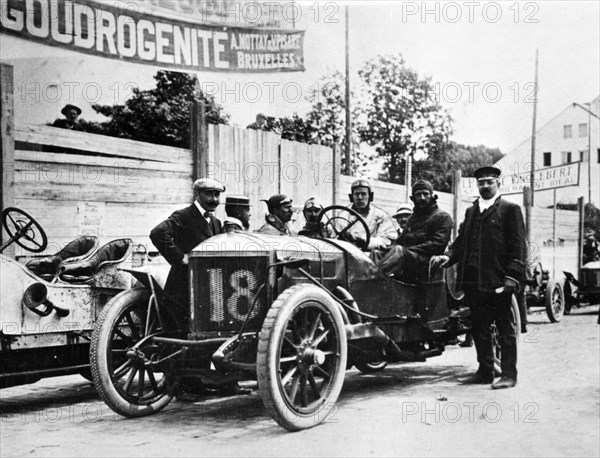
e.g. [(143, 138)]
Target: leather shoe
[(504, 382), (477, 379)]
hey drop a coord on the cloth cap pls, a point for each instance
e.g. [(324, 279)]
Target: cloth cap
[(404, 209), (277, 200), (261, 115), (360, 184), (208, 184), (70, 106), (242, 201), (487, 171), (422, 184), (312, 202)]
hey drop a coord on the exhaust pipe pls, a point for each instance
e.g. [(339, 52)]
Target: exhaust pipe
[(35, 295)]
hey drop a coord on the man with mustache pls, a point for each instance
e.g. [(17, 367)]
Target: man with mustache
[(490, 250), (280, 214)]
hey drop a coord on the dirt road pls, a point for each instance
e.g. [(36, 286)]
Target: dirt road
[(408, 410)]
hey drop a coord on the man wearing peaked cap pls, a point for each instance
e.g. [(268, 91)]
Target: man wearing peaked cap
[(280, 213), (181, 232), (238, 207), (490, 252), (381, 226), (312, 209)]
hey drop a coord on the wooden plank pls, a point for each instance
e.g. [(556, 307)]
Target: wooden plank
[(100, 144), (7, 146), (67, 158), (93, 175)]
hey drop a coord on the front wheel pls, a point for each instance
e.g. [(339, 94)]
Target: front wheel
[(555, 300), (125, 363), (302, 354)]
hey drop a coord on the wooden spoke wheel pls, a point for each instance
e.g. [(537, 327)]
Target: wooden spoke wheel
[(554, 298), (302, 354), (126, 363)]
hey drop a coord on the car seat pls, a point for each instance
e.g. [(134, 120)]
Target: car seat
[(107, 257), (77, 250)]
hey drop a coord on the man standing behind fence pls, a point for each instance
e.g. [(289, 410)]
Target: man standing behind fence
[(491, 267), (181, 232)]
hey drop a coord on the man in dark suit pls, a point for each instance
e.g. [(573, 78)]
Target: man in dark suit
[(490, 251), (181, 232)]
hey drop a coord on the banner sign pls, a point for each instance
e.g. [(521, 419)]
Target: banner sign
[(549, 178), (128, 35)]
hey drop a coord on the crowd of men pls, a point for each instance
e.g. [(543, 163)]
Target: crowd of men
[(489, 248)]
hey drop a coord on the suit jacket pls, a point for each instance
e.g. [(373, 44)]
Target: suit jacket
[(176, 236), (502, 245)]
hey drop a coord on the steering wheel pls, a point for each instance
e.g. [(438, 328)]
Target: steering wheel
[(24, 230), (338, 224)]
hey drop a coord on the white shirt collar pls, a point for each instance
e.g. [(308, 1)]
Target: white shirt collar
[(201, 210), (485, 204)]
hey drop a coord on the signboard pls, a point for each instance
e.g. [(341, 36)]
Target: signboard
[(549, 178), (89, 218), (131, 35)]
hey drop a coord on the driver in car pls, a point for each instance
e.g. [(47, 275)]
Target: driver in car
[(381, 226), (427, 234)]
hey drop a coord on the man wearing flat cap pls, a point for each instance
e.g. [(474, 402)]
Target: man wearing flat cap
[(381, 226), (238, 207), (280, 214), (71, 113), (312, 209), (427, 234), (181, 232), (490, 252), (401, 216)]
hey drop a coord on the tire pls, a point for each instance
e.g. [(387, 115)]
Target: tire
[(371, 367), (554, 298), (514, 305), (302, 356), (119, 328)]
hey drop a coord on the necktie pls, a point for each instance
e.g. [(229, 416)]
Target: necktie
[(211, 222)]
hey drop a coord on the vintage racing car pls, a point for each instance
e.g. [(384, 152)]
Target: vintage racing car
[(293, 313), (49, 305)]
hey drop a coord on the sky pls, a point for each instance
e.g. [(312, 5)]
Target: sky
[(480, 56)]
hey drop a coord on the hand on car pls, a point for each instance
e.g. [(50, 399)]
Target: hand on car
[(511, 286), (438, 262), (354, 239)]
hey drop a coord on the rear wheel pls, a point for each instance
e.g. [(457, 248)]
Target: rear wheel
[(554, 298), (302, 354), (371, 367), (125, 366)]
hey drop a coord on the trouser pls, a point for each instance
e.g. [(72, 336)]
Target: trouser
[(486, 309)]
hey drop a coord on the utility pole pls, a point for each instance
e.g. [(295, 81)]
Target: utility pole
[(348, 152), (533, 131)]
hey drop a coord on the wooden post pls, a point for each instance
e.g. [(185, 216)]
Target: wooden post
[(581, 210), (7, 144), (527, 203), (199, 141), (337, 171), (456, 177), (554, 234)]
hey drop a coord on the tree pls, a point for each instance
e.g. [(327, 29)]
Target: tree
[(160, 115), (402, 115)]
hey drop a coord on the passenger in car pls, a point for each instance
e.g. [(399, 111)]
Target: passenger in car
[(312, 209), (280, 213), (181, 232), (381, 226), (427, 234), (238, 207)]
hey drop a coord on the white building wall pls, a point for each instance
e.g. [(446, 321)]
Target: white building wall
[(550, 138)]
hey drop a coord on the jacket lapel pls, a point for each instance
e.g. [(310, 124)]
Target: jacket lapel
[(200, 222), (490, 211)]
